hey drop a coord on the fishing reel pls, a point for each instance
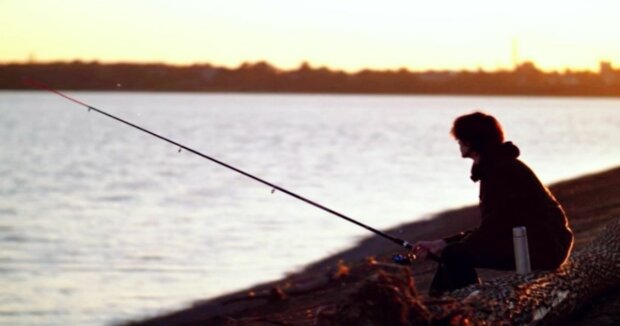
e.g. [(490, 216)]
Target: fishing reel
[(404, 259), (408, 258)]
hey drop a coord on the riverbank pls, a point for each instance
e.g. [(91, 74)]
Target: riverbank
[(590, 202)]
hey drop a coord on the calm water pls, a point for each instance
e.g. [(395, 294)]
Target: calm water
[(100, 223)]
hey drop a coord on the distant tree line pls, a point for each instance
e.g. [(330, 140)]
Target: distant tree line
[(526, 79)]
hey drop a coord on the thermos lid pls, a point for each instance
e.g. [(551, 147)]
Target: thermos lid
[(519, 231)]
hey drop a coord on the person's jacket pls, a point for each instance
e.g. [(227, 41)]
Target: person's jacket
[(511, 195)]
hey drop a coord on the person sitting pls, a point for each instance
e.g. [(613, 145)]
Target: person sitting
[(510, 195)]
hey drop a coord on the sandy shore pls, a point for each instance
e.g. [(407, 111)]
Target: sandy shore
[(590, 202)]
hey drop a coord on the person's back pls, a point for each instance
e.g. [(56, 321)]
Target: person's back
[(511, 195)]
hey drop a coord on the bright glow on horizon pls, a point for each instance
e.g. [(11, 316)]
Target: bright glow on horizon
[(346, 34)]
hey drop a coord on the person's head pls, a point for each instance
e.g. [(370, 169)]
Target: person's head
[(476, 133)]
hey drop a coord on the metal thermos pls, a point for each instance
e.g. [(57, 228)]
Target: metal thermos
[(522, 253)]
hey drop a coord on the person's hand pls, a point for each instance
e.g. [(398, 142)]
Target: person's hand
[(422, 248)]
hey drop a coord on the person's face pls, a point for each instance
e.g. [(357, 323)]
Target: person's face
[(465, 149)]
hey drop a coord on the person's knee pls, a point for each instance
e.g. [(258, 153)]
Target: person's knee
[(456, 253)]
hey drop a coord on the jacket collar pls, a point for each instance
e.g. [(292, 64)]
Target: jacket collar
[(505, 151)]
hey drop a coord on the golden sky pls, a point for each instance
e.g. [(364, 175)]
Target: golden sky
[(340, 34)]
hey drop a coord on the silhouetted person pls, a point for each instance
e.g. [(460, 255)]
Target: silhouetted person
[(510, 195)]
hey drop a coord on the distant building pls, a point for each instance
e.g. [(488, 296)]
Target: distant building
[(607, 73)]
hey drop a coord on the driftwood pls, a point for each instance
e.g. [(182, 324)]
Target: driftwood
[(540, 297)]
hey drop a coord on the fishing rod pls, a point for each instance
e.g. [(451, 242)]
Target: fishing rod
[(401, 259)]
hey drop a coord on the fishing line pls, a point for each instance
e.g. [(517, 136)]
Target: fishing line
[(40, 85)]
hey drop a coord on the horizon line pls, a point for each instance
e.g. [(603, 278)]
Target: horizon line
[(301, 64)]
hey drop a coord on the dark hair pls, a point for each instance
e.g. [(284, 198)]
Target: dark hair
[(477, 130)]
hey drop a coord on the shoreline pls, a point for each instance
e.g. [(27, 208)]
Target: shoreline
[(590, 201), (523, 79)]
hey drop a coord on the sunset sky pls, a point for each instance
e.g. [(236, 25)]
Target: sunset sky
[(339, 34)]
